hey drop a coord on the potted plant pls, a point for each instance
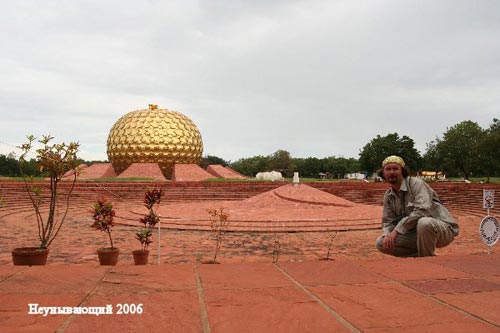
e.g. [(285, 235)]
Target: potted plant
[(103, 215), (52, 160), (152, 200)]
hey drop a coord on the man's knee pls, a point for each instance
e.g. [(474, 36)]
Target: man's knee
[(436, 230), (425, 225), (379, 243)]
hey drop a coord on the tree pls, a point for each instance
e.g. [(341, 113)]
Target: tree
[(9, 165), (300, 166), (343, 166), (374, 152), (432, 160), (308, 167), (489, 150), (251, 166), (337, 166), (459, 148), (209, 160), (281, 161)]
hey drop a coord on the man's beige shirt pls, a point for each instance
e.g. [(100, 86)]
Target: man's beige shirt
[(420, 200)]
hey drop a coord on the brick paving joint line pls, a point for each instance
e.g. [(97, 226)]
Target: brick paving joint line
[(7, 278), (453, 307), (203, 308), (71, 317), (325, 306)]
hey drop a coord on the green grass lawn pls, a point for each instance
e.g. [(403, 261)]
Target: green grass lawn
[(494, 180)]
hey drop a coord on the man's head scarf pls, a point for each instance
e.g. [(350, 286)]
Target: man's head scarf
[(393, 159)]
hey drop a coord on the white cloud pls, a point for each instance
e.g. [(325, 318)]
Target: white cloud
[(317, 78)]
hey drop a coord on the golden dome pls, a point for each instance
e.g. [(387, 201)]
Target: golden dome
[(154, 136)]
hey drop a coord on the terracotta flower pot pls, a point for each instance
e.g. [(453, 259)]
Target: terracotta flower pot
[(108, 256), (28, 256), (140, 257)]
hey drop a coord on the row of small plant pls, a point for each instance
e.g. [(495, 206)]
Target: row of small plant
[(219, 224), (103, 215)]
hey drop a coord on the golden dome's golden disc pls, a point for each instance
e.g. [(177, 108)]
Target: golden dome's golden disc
[(154, 136)]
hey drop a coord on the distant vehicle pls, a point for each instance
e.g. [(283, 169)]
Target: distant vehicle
[(355, 175), (432, 175)]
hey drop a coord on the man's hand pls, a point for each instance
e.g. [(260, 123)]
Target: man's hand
[(389, 240)]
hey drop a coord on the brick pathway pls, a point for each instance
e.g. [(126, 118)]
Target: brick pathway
[(440, 294), (360, 290)]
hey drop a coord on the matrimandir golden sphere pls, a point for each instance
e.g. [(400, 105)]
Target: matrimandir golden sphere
[(154, 135)]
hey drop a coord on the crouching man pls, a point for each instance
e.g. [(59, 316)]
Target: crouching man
[(414, 221)]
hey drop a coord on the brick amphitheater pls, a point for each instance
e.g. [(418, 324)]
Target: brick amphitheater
[(303, 220)]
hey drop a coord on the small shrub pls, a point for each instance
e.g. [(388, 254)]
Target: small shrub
[(52, 160), (152, 200), (103, 215), (331, 236), (276, 247), (219, 223)]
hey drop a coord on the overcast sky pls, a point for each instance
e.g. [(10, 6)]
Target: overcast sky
[(316, 78)]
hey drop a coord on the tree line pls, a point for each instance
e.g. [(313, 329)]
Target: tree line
[(9, 166), (465, 149), (281, 160)]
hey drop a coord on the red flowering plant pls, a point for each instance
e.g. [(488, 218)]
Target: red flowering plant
[(103, 215), (152, 200)]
